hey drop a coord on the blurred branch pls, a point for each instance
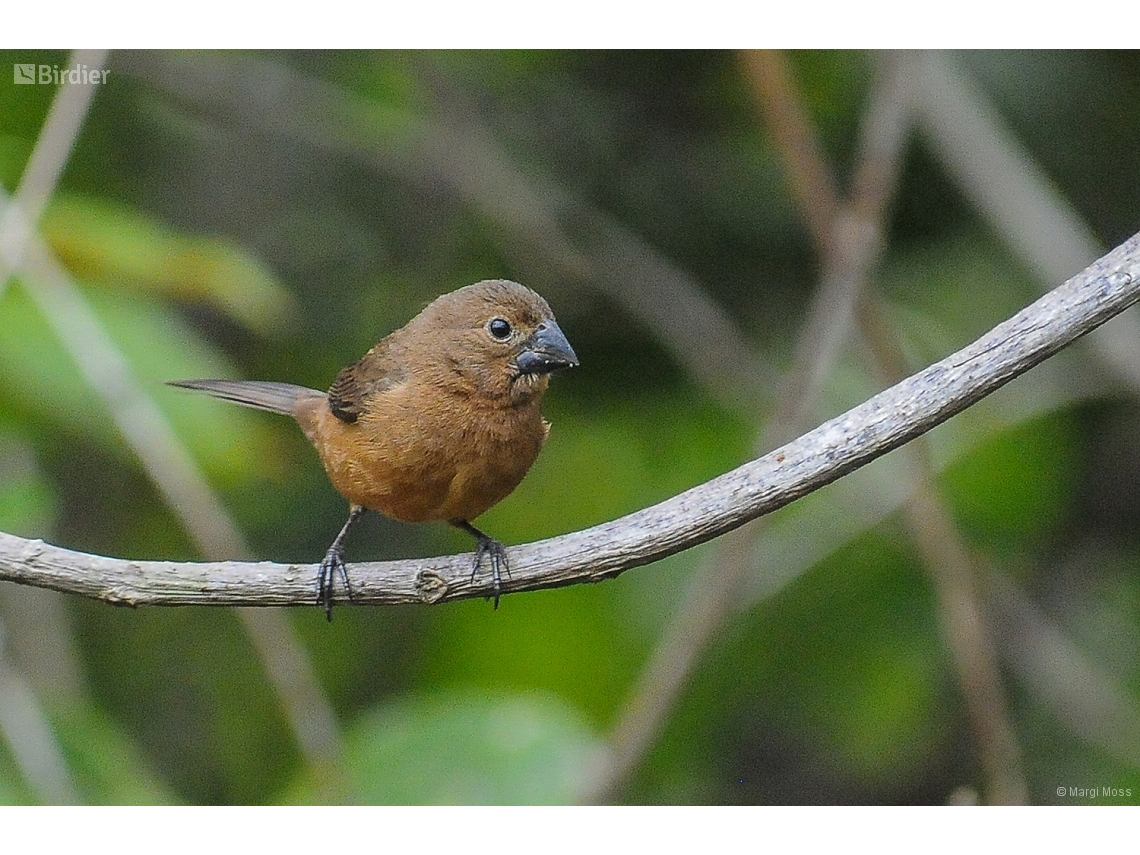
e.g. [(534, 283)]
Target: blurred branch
[(146, 430), (961, 612), (788, 122), (164, 458), (57, 136), (849, 249), (998, 174), (166, 461), (41, 643), (855, 241), (30, 739), (853, 246), (1094, 705), (885, 422), (1024, 206), (311, 717), (22, 720)]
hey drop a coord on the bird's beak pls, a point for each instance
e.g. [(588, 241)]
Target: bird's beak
[(546, 350)]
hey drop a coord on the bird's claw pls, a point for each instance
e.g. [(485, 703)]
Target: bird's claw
[(494, 550), (332, 565)]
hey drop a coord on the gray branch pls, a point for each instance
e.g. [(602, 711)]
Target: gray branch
[(845, 443)]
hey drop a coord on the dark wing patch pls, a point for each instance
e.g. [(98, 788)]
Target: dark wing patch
[(375, 372), (344, 396)]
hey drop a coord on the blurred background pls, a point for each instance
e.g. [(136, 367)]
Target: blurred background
[(739, 246)]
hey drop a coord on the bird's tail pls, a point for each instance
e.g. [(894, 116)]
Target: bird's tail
[(263, 395)]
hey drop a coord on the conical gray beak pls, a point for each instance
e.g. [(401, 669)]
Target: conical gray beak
[(546, 350)]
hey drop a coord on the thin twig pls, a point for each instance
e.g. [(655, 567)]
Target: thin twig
[(839, 446)]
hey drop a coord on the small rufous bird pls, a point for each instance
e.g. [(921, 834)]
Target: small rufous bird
[(439, 421)]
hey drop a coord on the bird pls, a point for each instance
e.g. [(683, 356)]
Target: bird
[(437, 422)]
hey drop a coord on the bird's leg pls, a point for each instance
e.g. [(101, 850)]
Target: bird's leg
[(494, 550), (334, 563)]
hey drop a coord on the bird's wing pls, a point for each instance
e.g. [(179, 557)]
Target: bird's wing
[(375, 372)]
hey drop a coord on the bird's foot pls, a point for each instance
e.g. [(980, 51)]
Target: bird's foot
[(332, 565), (494, 550)]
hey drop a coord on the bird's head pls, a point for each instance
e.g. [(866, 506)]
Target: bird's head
[(501, 338)]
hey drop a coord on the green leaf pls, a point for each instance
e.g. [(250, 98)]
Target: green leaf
[(110, 244), (39, 378), (467, 748)]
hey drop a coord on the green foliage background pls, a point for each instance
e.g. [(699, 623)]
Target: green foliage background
[(217, 235)]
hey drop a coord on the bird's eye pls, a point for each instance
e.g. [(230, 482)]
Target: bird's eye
[(499, 328)]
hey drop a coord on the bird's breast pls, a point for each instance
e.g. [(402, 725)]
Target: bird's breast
[(420, 457)]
